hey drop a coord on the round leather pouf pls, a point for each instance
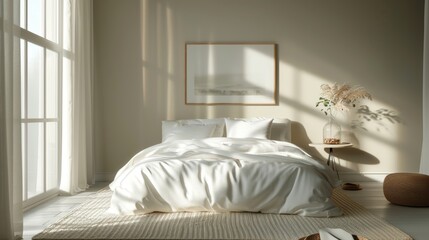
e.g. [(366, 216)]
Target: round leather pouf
[(407, 189)]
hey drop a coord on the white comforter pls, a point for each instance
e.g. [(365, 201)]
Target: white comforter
[(224, 174)]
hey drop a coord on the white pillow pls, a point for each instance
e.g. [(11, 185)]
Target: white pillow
[(188, 132), (248, 128)]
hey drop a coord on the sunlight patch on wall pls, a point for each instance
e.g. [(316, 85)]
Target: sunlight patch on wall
[(144, 30), (300, 88), (171, 88)]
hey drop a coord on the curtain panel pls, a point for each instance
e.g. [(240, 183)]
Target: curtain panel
[(77, 169), (10, 125)]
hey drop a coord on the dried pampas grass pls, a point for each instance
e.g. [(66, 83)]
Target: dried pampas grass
[(341, 96)]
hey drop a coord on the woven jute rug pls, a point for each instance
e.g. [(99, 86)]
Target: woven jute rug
[(90, 221)]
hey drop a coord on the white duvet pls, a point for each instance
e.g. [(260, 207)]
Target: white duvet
[(224, 174)]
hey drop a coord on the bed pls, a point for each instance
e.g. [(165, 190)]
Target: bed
[(225, 165)]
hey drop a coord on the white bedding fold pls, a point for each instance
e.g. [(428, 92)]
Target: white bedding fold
[(224, 174)]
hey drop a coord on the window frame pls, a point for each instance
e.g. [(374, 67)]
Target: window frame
[(26, 37)]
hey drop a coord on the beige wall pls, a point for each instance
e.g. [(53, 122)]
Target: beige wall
[(139, 57)]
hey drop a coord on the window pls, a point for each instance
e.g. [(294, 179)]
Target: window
[(45, 49)]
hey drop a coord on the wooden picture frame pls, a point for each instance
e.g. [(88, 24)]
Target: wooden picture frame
[(231, 74)]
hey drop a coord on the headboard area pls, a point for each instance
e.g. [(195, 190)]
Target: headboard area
[(281, 130)]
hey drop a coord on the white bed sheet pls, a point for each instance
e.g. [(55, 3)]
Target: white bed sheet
[(224, 174)]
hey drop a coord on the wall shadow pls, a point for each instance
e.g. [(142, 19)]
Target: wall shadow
[(354, 155), (364, 115), (301, 139)]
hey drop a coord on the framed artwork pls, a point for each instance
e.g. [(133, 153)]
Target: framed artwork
[(231, 73)]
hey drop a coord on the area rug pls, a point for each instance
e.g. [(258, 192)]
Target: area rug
[(90, 221)]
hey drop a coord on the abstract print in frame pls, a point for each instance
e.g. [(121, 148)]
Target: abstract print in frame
[(231, 73)]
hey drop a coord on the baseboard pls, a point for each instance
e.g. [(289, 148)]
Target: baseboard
[(362, 177), (104, 176)]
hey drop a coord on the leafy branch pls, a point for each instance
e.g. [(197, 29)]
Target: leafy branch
[(327, 104)]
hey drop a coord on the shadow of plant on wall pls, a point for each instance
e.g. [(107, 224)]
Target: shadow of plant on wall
[(380, 116)]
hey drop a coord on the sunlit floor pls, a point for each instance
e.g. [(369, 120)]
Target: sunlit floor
[(413, 221), (40, 217)]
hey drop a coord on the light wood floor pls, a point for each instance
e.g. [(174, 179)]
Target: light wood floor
[(414, 221)]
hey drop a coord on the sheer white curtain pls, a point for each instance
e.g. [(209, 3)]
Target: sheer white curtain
[(424, 163), (77, 160), (10, 123)]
